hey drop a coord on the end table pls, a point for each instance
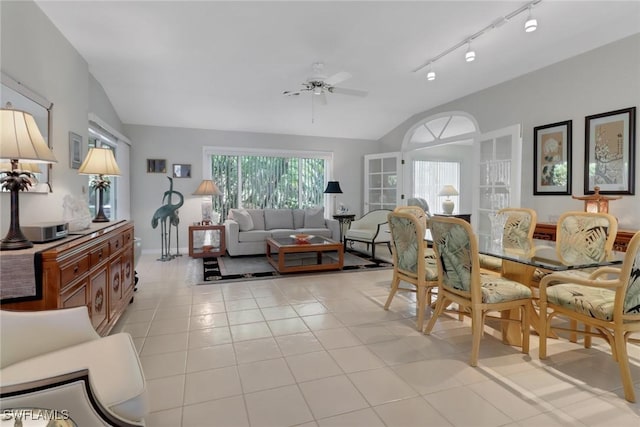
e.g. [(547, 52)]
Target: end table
[(206, 241), (345, 222)]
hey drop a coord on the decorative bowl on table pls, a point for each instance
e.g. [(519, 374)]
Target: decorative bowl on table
[(302, 238)]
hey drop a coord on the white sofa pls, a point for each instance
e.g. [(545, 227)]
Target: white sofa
[(247, 230), (55, 360)]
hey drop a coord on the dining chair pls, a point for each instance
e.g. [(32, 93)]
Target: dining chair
[(585, 236), (420, 202), (608, 301), (517, 236), (410, 261), (460, 282)]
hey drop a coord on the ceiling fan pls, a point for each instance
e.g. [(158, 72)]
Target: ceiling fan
[(319, 85)]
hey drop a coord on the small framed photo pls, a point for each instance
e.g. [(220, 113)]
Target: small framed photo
[(156, 166), (609, 154), (75, 150), (181, 170), (552, 159)]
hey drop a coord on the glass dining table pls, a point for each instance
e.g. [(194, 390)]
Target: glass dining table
[(529, 265)]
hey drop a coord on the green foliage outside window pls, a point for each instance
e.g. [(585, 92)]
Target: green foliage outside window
[(256, 182)]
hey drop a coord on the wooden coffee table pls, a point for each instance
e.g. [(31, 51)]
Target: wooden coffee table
[(281, 249)]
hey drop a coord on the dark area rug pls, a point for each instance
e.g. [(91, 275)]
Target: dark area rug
[(254, 267)]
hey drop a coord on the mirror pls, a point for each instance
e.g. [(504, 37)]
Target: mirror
[(23, 99)]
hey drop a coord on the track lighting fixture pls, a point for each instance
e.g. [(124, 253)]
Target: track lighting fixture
[(531, 24), (470, 55), (431, 75)]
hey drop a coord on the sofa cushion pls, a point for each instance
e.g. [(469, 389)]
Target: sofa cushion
[(243, 218), (114, 371), (314, 217), (298, 218), (254, 236), (278, 218), (282, 232), (257, 216), (324, 232)]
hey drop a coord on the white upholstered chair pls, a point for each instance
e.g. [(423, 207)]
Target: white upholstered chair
[(55, 360), (371, 229)]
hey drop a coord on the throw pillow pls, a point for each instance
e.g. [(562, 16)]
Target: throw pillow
[(314, 217), (278, 219), (242, 217), (257, 216)]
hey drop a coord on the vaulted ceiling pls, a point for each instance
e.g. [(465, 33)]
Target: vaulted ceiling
[(224, 65)]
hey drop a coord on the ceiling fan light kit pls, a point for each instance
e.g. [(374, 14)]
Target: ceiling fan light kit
[(319, 85), (531, 24)]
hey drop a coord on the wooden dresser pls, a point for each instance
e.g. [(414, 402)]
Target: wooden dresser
[(94, 269), (547, 231)]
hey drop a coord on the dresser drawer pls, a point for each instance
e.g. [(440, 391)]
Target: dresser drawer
[(116, 243), (74, 269), (99, 254), (128, 236)]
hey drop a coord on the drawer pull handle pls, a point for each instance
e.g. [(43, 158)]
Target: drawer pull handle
[(76, 268), (100, 254)]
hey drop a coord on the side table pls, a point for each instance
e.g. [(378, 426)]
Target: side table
[(206, 241), (345, 222)]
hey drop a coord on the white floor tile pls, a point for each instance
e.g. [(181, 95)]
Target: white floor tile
[(298, 344), (264, 375), (476, 412), (309, 366), (256, 350), (410, 412), (229, 412), (361, 418), (283, 406), (213, 384), (332, 396), (166, 393), (359, 358), (164, 364), (381, 385), (217, 356)]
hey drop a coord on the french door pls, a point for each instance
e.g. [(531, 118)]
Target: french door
[(498, 169), (382, 181)]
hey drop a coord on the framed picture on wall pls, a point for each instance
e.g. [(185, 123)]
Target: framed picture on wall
[(156, 166), (75, 150), (552, 159), (181, 170), (609, 154)]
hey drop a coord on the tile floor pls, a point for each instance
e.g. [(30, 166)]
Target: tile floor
[(319, 350)]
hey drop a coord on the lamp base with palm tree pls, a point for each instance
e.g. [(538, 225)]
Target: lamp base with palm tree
[(99, 185), (15, 181)]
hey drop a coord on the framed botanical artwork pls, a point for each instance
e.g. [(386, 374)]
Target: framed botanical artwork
[(552, 159), (156, 166), (609, 154), (181, 171), (75, 150)]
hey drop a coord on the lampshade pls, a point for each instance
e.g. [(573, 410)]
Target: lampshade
[(20, 138), (207, 188), (333, 187), (25, 167), (596, 202), (448, 190), (99, 161)]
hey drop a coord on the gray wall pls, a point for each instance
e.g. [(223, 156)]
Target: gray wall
[(35, 53), (179, 145), (604, 79)]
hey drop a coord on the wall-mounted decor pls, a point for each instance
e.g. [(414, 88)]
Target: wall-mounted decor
[(75, 150), (156, 166), (22, 98), (609, 155), (552, 159), (181, 170)]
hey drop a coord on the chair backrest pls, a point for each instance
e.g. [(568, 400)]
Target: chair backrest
[(416, 211), (420, 202), (518, 228), (631, 274), (583, 237), (456, 249), (371, 219), (407, 237)]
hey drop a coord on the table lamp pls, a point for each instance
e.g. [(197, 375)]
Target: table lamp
[(20, 141), (100, 161), (207, 189), (596, 202), (333, 187), (448, 205)]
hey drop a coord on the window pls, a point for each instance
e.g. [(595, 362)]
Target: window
[(264, 179), (100, 139), (430, 176)]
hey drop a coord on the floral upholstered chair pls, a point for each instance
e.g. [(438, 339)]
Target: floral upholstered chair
[(410, 262), (582, 237), (517, 236), (608, 300), (460, 282)]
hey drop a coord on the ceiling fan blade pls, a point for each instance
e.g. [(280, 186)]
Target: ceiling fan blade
[(345, 91), (290, 93), (337, 78), (322, 98)]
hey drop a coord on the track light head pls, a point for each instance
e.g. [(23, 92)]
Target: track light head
[(431, 75), (470, 55), (531, 24)]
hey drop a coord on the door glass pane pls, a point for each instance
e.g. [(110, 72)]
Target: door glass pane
[(375, 165)]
